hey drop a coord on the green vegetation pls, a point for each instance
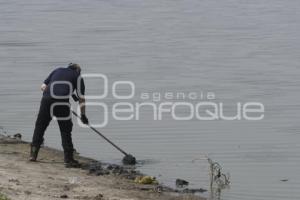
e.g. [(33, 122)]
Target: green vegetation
[(3, 197)]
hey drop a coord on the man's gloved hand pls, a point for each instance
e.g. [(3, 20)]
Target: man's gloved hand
[(84, 119), (75, 97)]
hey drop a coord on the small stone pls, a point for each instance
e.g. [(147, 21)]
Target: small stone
[(201, 190), (66, 188), (18, 136), (181, 183), (16, 181), (64, 196), (95, 168), (27, 192), (193, 191), (109, 167), (99, 197)]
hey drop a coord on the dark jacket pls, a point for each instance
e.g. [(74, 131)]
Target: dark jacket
[(69, 77)]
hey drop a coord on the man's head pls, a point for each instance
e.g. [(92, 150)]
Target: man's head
[(75, 66)]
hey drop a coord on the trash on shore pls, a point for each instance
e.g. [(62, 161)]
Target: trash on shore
[(182, 187), (6, 139), (91, 167), (17, 136), (74, 180), (10, 139), (147, 180), (181, 183)]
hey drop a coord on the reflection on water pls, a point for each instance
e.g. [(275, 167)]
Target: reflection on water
[(240, 50)]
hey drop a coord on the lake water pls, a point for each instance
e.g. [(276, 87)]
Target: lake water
[(242, 51)]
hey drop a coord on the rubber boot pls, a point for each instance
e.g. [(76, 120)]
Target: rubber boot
[(34, 151), (70, 162)]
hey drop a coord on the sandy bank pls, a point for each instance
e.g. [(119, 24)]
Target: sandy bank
[(48, 179)]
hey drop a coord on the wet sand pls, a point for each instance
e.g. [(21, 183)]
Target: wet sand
[(48, 179)]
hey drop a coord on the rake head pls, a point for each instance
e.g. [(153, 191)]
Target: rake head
[(129, 160)]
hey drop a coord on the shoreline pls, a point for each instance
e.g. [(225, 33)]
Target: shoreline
[(48, 179)]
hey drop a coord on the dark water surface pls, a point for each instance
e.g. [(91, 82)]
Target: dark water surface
[(240, 50)]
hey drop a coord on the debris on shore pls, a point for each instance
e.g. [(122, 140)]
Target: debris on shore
[(48, 179), (146, 180), (181, 183)]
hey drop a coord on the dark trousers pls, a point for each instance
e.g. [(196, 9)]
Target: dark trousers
[(44, 118)]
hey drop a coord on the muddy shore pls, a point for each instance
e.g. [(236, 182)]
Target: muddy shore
[(48, 179)]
